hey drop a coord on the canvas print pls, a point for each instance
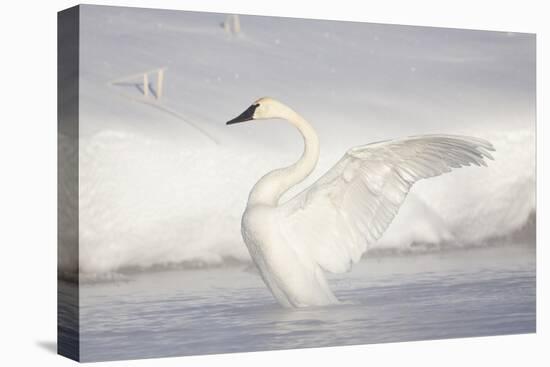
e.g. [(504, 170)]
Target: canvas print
[(234, 183)]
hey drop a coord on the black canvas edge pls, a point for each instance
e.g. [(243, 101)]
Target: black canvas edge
[(68, 314)]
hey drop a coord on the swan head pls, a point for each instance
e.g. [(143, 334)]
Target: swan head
[(263, 108)]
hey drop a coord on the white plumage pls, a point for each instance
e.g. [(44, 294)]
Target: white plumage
[(331, 224)]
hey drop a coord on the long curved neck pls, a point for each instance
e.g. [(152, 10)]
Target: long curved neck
[(269, 189)]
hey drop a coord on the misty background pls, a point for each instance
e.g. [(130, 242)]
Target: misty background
[(156, 192)]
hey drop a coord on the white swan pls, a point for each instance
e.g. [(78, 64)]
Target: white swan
[(331, 224)]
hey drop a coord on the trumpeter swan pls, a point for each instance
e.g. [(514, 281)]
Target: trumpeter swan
[(331, 224)]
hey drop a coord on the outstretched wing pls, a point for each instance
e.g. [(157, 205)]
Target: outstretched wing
[(336, 219)]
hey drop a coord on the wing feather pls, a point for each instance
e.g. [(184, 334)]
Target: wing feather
[(349, 208)]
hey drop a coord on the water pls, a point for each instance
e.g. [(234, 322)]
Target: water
[(461, 293)]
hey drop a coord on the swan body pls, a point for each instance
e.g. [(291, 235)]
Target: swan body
[(329, 225)]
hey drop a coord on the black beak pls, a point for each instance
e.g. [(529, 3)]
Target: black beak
[(245, 116)]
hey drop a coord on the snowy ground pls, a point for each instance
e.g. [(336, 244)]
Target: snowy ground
[(154, 190)]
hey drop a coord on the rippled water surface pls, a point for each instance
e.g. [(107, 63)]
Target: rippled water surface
[(385, 299)]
